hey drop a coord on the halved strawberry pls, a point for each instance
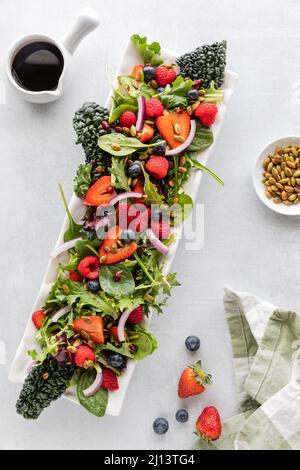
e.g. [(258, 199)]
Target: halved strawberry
[(38, 318), (166, 125), (91, 327), (120, 253), (100, 193), (147, 133), (137, 72)]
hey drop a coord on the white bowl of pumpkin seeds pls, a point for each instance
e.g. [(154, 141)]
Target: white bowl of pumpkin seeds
[(276, 175)]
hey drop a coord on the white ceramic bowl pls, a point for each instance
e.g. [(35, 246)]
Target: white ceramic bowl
[(257, 176)]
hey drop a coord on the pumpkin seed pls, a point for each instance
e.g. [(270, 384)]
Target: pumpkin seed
[(269, 167), (103, 258), (295, 152), (88, 364), (290, 164), (297, 174), (133, 131), (268, 194), (115, 146), (177, 128), (284, 195), (195, 106), (287, 203), (179, 138), (277, 199), (292, 197), (154, 84), (182, 161), (71, 349), (106, 249), (181, 169), (288, 171), (289, 189), (77, 343)]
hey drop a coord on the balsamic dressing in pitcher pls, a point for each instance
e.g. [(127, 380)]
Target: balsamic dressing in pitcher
[(38, 66)]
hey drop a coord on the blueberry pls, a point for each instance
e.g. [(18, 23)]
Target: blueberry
[(193, 94), (128, 235), (149, 73), (160, 425), (160, 89), (182, 416), (159, 150), (192, 343), (94, 286), (115, 360), (135, 170)]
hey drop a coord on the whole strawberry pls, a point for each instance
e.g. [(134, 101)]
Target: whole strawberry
[(164, 76), (208, 425), (157, 167), (193, 381), (109, 380), (84, 356), (154, 108), (206, 113), (127, 119)]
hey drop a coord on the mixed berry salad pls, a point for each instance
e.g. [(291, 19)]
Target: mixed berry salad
[(140, 154)]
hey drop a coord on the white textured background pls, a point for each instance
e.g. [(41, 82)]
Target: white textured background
[(246, 245)]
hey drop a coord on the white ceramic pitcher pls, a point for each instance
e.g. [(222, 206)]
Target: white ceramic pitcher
[(87, 21)]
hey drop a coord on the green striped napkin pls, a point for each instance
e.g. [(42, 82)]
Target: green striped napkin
[(266, 346)]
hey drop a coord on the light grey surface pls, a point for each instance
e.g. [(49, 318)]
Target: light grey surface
[(246, 245)]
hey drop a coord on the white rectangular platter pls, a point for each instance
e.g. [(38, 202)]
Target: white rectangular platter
[(21, 362)]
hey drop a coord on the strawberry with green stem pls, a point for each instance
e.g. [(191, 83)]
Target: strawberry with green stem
[(193, 381)]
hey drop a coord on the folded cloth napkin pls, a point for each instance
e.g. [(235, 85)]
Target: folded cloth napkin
[(266, 350)]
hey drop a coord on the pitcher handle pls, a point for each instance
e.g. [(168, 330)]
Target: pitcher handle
[(86, 22)]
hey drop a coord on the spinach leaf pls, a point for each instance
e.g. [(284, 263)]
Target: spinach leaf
[(127, 145), (97, 403), (122, 349), (173, 101), (149, 52), (87, 247), (202, 140), (83, 179), (153, 197), (183, 208), (119, 178), (176, 95), (74, 229), (144, 341), (124, 287)]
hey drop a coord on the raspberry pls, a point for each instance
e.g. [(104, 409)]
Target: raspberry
[(161, 229), (157, 167), (75, 276), (127, 119), (89, 267), (83, 354), (136, 316), (206, 112), (164, 76), (109, 380), (154, 108)]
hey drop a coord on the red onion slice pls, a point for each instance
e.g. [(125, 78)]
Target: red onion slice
[(60, 313), (185, 144), (156, 243), (122, 196), (141, 113), (95, 386), (64, 247), (121, 325)]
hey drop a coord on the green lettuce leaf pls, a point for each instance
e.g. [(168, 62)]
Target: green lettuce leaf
[(150, 53)]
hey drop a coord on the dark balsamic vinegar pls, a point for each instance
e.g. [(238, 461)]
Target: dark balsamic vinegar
[(38, 66)]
